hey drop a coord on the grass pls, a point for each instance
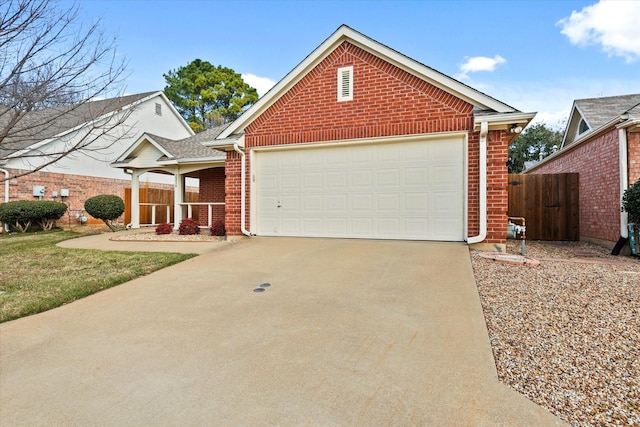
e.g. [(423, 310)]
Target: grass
[(36, 275)]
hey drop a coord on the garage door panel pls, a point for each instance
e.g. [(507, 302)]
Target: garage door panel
[(362, 178), (337, 180), (289, 182), (415, 203), (361, 226), (291, 226), (337, 203), (388, 202), (312, 225), (362, 202), (337, 227), (312, 202), (387, 178), (400, 190)]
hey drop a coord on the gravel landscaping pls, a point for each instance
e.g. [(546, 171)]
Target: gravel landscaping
[(566, 333)]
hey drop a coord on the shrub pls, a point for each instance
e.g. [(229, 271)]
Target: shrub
[(106, 207), (217, 229), (22, 213), (48, 212), (631, 202), (188, 226), (164, 228)]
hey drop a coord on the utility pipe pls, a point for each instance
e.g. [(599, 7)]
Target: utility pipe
[(484, 130), (6, 192), (243, 163)]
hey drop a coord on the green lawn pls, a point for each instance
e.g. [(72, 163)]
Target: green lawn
[(36, 276)]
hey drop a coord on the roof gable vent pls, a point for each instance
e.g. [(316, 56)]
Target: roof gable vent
[(345, 84)]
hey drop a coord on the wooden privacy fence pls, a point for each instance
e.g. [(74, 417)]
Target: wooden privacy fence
[(548, 202), (155, 205)]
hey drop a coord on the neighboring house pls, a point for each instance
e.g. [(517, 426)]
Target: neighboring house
[(357, 141), (602, 144), (107, 126)]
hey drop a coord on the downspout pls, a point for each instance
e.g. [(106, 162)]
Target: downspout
[(243, 189), (484, 130), (623, 146), (6, 192), (624, 178), (6, 184)]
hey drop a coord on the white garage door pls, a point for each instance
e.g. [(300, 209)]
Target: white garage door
[(401, 190)]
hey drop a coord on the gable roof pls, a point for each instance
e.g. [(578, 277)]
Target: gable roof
[(188, 149), (38, 126), (478, 99), (597, 112)]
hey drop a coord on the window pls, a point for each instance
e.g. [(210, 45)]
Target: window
[(582, 127), (345, 84), (158, 109)]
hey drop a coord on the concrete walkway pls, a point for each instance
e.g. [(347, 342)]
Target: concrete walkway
[(109, 242), (349, 332)]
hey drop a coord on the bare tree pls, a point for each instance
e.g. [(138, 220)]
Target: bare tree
[(51, 68)]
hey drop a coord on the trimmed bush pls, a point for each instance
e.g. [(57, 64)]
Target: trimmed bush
[(105, 207), (217, 229), (48, 212), (21, 214), (188, 226), (631, 202), (164, 228)]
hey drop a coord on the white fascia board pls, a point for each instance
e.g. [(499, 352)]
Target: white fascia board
[(500, 121), (213, 161), (141, 140), (345, 33), (224, 144)]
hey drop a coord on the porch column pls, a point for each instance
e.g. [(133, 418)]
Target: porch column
[(135, 199), (178, 199)]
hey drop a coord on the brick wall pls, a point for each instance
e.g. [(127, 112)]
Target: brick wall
[(387, 101), (633, 141), (497, 177), (80, 188), (212, 189), (597, 162)]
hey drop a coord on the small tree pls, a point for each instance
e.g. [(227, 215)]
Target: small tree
[(631, 202), (105, 207)]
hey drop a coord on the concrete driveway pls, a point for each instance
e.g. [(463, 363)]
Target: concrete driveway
[(350, 332)]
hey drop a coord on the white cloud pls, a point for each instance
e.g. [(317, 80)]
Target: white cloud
[(612, 24), (479, 63), (262, 84)]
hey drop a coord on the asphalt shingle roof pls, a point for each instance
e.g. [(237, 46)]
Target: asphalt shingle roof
[(599, 111), (187, 148), (37, 126), (191, 147)]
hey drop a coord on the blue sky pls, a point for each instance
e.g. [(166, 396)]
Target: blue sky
[(533, 55)]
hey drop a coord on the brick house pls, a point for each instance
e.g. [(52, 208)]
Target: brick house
[(358, 141), (602, 144), (104, 127)]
